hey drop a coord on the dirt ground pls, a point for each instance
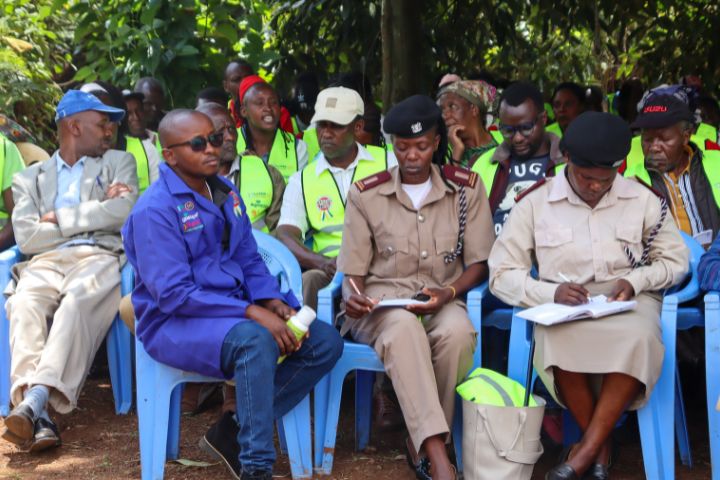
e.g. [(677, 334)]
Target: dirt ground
[(99, 445)]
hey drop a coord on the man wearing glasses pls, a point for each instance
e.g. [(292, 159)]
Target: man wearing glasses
[(206, 302), (528, 153)]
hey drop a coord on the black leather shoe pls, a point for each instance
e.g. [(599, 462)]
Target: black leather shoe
[(597, 471), (257, 475), (20, 425), (562, 472), (46, 436), (220, 442)]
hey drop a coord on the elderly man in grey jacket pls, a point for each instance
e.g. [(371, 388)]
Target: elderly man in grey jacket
[(67, 219)]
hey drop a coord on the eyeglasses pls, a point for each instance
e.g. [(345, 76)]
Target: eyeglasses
[(199, 144), (525, 129)]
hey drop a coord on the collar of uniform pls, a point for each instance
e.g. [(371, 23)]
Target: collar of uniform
[(560, 189), (176, 185), (437, 191), (323, 164), (235, 167), (60, 163)]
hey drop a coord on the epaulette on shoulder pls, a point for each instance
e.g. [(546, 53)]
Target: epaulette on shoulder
[(373, 180), (642, 182), (531, 188), (460, 176)]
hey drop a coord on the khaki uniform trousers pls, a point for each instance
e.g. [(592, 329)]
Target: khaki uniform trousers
[(425, 360), (312, 282), (64, 303)]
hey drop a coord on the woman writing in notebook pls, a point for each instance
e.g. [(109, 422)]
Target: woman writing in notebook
[(606, 235)]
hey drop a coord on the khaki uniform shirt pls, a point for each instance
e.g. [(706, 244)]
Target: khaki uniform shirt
[(553, 228), (400, 249)]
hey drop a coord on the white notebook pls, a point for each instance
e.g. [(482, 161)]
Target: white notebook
[(398, 302), (554, 313)]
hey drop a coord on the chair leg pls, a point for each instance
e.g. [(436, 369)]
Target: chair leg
[(153, 406), (173, 430), (296, 429), (120, 362), (336, 378), (681, 431), (320, 404), (457, 432), (712, 360), (364, 380), (4, 361), (281, 436)]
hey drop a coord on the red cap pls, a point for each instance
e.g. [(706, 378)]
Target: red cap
[(245, 85)]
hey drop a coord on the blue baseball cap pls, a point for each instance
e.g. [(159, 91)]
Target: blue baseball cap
[(75, 101)]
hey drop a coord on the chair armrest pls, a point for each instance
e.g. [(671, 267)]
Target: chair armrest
[(689, 292), (127, 279), (326, 299), (474, 304), (8, 258)]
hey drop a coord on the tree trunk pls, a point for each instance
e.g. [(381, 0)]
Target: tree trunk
[(404, 51)]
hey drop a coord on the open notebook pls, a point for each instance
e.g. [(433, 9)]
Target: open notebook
[(554, 313)]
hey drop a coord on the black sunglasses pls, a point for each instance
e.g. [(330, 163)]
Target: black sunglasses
[(525, 129), (199, 144)]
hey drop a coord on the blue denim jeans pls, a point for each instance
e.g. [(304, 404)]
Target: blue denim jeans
[(249, 355)]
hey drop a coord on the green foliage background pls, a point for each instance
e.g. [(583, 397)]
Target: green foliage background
[(47, 44)]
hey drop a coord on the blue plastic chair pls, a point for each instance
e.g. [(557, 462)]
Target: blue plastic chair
[(118, 342), (712, 362), (365, 362), (159, 389), (657, 418)]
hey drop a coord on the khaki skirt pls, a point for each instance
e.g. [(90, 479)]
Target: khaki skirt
[(629, 343)]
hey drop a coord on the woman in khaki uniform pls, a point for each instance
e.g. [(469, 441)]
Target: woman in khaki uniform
[(607, 235), (404, 234)]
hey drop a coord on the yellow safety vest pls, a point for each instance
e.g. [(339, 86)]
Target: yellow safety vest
[(324, 205), (487, 169), (135, 146), (707, 132), (710, 163), (283, 153), (554, 128), (256, 189), (495, 134), (313, 144)]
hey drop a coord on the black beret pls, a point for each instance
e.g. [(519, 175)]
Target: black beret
[(596, 139), (660, 111), (412, 117)]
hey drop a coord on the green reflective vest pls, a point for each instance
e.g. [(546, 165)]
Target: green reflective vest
[(495, 134), (554, 128), (710, 163), (313, 144), (487, 387), (487, 169), (707, 132), (137, 149), (283, 154), (324, 205), (256, 189)]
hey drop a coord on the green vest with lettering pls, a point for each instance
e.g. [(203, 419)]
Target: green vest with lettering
[(283, 154), (487, 169), (710, 163), (135, 146), (256, 189), (324, 205)]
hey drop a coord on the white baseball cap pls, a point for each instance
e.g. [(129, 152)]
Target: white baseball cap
[(338, 105)]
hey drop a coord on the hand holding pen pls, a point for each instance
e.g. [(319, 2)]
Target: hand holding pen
[(358, 304), (570, 293)]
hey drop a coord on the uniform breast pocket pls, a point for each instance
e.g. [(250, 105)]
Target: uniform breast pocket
[(625, 235), (391, 256), (553, 246), (444, 245)]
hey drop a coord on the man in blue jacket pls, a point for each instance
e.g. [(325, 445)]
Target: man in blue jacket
[(205, 301)]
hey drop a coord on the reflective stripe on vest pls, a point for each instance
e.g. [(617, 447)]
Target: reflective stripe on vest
[(707, 132), (256, 189), (142, 165), (487, 169), (3, 214), (311, 140), (324, 206), (283, 153), (710, 163), (554, 128), (296, 129)]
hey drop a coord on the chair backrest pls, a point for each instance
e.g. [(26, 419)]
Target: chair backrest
[(281, 263), (696, 251)]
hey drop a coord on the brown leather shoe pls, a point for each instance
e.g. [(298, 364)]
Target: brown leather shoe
[(386, 412)]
